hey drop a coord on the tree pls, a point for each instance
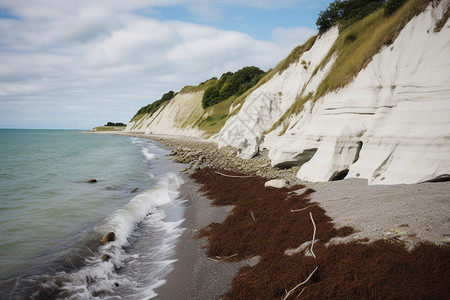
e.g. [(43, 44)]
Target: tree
[(329, 16), (346, 13), (211, 96), (115, 124), (231, 84), (392, 6)]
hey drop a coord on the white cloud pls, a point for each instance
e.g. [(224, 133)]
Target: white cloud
[(292, 36), (74, 53)]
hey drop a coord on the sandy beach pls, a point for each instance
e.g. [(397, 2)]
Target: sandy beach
[(403, 216), (194, 275)]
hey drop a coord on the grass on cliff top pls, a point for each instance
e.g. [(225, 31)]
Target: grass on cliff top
[(110, 128), (198, 88), (355, 48), (357, 44), (215, 117)]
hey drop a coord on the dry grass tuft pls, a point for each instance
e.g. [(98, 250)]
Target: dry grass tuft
[(441, 23)]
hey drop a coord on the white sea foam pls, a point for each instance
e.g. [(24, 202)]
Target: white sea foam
[(148, 155), (139, 273)]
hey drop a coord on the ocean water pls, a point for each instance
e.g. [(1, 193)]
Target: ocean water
[(52, 221)]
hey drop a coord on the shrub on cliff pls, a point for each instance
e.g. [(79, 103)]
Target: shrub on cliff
[(211, 96), (115, 124), (392, 6), (232, 84)]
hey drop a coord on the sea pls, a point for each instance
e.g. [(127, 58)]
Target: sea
[(62, 192)]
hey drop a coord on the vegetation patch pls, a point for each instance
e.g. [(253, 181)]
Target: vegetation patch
[(110, 128), (215, 117), (346, 13), (357, 44), (392, 6), (231, 84), (198, 88), (151, 108), (441, 23)]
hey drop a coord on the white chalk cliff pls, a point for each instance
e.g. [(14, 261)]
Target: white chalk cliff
[(177, 117), (390, 125)]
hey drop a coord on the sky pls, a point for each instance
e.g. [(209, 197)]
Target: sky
[(79, 64)]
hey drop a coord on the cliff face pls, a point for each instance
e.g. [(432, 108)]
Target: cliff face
[(177, 117), (269, 102), (390, 125)]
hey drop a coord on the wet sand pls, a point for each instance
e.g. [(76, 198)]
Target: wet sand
[(194, 275)]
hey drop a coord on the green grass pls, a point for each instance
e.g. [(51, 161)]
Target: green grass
[(110, 128), (357, 44), (214, 117), (198, 88)]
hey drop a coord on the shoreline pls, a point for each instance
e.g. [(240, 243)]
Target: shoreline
[(407, 213), (194, 276)]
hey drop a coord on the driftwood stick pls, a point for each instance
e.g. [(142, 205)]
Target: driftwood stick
[(212, 259), (253, 216), (232, 176), (297, 210), (217, 258), (314, 234), (300, 284)]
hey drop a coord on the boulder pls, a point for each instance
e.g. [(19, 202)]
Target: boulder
[(109, 237), (277, 183), (105, 257)]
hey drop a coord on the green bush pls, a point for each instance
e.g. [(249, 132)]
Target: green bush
[(211, 96), (115, 124), (392, 6), (232, 84)]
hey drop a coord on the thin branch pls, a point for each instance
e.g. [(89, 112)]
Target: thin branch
[(297, 210), (314, 234), (232, 176), (219, 258), (300, 284), (212, 259), (253, 216)]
